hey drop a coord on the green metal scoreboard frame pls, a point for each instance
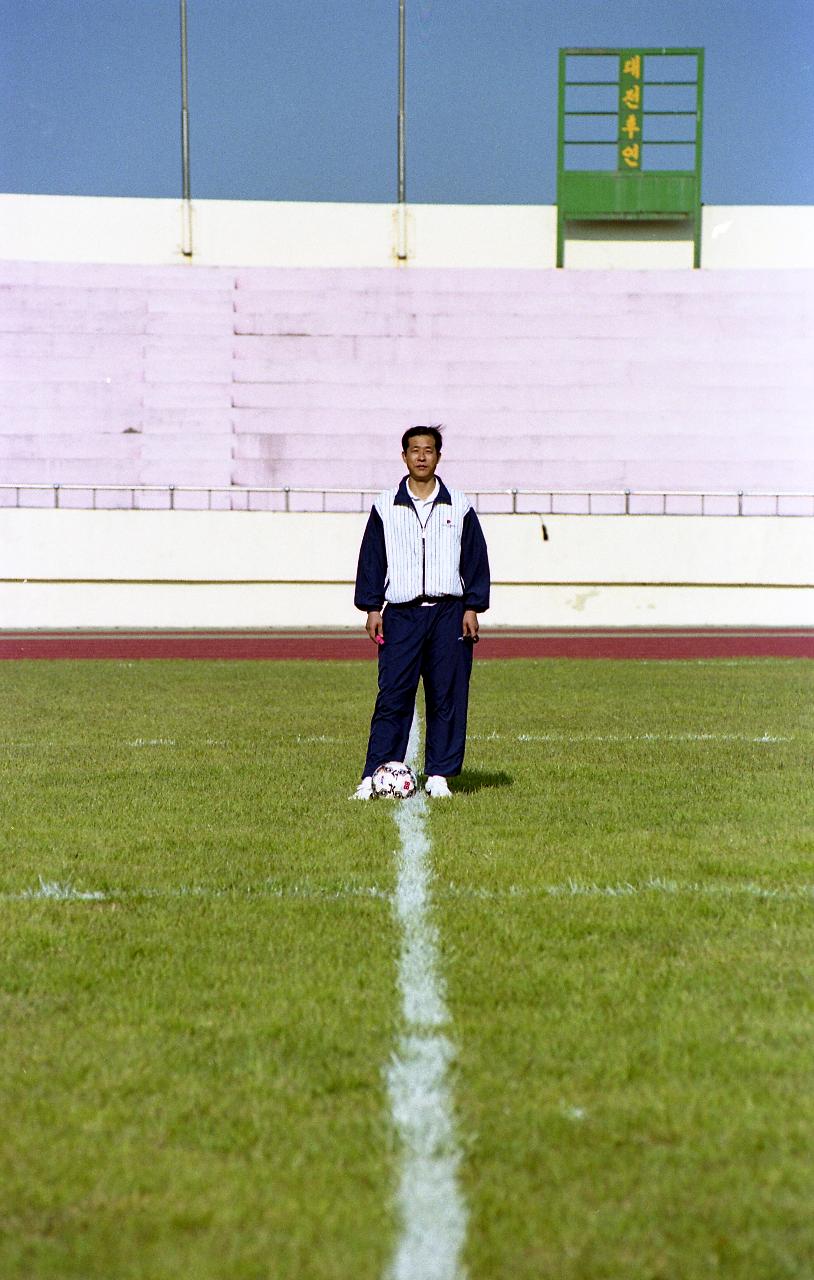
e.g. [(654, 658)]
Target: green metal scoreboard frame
[(629, 138)]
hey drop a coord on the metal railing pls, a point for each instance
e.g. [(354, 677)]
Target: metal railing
[(631, 502)]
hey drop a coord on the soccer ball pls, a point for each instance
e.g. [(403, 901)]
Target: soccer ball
[(394, 780)]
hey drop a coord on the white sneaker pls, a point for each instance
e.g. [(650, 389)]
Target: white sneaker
[(364, 791), (436, 786)]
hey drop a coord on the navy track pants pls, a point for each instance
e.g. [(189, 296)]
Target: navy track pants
[(422, 643)]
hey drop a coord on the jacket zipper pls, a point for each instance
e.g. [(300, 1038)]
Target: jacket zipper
[(423, 528)]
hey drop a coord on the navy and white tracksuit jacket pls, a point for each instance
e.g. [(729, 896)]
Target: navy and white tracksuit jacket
[(404, 569)]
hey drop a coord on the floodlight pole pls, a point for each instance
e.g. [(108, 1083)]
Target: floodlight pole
[(401, 184), (186, 239)]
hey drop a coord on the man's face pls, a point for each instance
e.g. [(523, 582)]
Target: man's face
[(421, 457)]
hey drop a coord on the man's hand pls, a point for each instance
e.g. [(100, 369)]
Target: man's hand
[(373, 626), (470, 624)]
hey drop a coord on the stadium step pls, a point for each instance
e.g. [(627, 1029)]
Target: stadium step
[(669, 347), (459, 400), (543, 476), (496, 423), (123, 446), (106, 470), (564, 371), (399, 323), (459, 446)]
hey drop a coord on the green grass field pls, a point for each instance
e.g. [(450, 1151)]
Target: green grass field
[(199, 995)]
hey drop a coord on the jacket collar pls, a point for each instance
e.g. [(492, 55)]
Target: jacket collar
[(403, 499)]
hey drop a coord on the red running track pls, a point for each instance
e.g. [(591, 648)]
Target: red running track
[(264, 645)]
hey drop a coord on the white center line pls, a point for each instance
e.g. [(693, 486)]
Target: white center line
[(431, 1207)]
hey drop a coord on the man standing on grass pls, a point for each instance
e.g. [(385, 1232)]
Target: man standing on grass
[(423, 578)]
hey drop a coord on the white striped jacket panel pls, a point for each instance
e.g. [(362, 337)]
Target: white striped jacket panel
[(422, 561)]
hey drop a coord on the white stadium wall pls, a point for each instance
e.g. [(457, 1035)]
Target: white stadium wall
[(270, 233), (107, 569)]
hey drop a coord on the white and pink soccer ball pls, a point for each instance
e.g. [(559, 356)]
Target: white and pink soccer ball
[(394, 781)]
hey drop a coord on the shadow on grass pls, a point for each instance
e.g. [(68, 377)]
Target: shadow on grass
[(481, 779)]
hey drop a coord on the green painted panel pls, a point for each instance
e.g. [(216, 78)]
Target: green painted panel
[(589, 194)]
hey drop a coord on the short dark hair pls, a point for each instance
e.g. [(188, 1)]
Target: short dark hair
[(421, 431)]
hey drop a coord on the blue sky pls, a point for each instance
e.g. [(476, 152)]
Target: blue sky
[(296, 100)]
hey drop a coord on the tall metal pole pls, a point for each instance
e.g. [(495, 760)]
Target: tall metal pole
[(401, 238), (186, 246), (402, 183)]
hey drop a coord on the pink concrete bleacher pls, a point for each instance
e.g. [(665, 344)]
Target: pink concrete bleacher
[(305, 377)]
